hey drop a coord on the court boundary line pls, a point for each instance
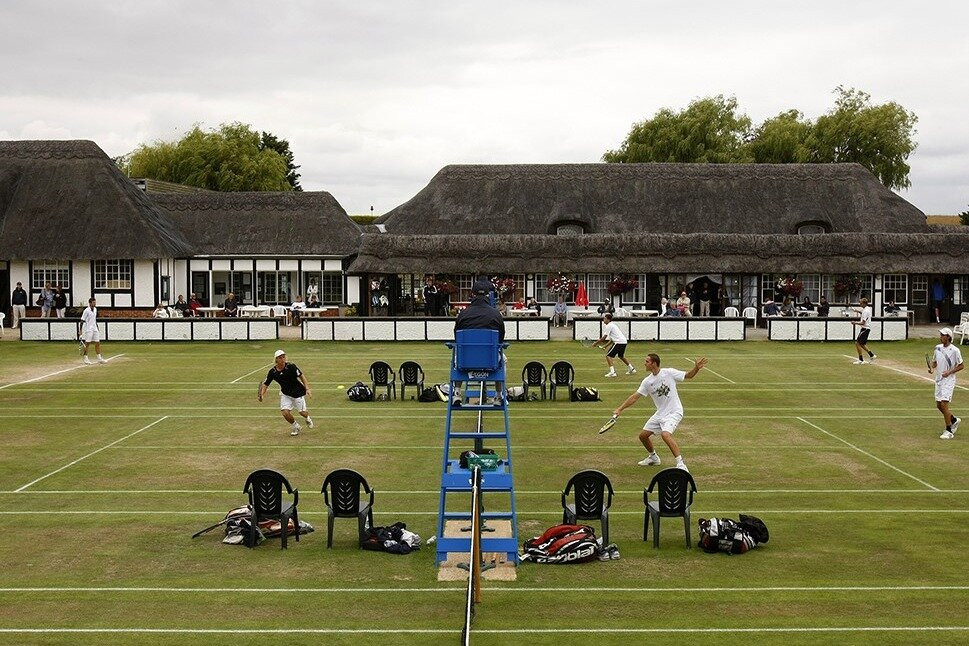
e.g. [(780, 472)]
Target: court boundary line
[(59, 372), (483, 631), (235, 381), (95, 452), (529, 492), (159, 512), (904, 372), (874, 457), (713, 372)]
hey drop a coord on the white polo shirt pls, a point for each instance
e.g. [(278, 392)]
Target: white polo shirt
[(866, 317), (946, 358), (615, 334), (662, 388), (90, 319)]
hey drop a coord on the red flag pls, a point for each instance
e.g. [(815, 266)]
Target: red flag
[(581, 298)]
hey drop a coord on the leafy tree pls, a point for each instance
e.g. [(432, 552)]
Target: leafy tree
[(964, 218), (785, 139), (232, 158), (281, 146), (708, 130), (879, 137)]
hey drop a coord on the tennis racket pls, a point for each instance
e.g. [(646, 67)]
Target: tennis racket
[(928, 362), (587, 342), (80, 345), (612, 422)]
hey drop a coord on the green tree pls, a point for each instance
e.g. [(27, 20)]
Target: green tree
[(232, 158), (879, 137), (708, 130), (281, 146), (784, 139), (964, 218)]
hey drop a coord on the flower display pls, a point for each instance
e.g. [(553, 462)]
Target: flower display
[(622, 284), (790, 286), (446, 287), (561, 285), (503, 286), (846, 285)]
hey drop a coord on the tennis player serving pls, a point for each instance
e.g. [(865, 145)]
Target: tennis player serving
[(661, 386)]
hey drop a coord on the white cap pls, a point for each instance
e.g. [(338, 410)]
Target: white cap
[(278, 354), (946, 331)]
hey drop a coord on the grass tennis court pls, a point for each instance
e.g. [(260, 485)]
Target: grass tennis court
[(106, 471)]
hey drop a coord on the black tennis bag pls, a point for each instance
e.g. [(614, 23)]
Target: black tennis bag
[(562, 544), (585, 394), (727, 535), (360, 392)]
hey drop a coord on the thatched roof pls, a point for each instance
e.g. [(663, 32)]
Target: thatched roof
[(68, 200), (264, 223), (665, 253), (653, 198)]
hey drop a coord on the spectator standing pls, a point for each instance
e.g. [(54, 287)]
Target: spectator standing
[(560, 314), (948, 361), (293, 390), (431, 304), (861, 343), (705, 301), (723, 298), (46, 300), (89, 330), (60, 302), (312, 290), (18, 300), (938, 298)]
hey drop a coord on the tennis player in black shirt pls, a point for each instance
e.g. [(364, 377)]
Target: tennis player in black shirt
[(294, 390)]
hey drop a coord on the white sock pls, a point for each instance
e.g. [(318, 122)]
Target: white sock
[(295, 424), (679, 459), (652, 454), (99, 356)]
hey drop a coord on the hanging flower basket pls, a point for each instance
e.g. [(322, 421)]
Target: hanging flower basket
[(846, 285), (621, 285), (561, 285), (790, 286), (504, 286), (446, 287)]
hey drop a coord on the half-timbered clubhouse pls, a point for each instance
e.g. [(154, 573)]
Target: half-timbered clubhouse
[(69, 217)]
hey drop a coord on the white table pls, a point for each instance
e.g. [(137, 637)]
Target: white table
[(643, 313), (252, 311), (522, 313), (588, 314), (210, 312), (806, 313), (315, 312)]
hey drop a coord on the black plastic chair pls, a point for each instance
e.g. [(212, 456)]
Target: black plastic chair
[(561, 374), (411, 374), (590, 500), (383, 376), (341, 493), (534, 374), (265, 489), (675, 495)]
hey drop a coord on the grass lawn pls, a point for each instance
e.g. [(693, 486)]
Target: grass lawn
[(106, 471)]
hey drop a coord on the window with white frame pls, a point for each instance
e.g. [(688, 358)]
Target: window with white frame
[(768, 286), (112, 274), (895, 287), (568, 230), (331, 288), (960, 290), (596, 287), (541, 289), (920, 290), (812, 286), (50, 271), (867, 287), (637, 295), (464, 283), (810, 229)]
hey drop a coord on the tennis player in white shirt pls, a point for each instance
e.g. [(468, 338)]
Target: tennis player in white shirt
[(661, 386), (89, 330), (947, 361), (611, 332)]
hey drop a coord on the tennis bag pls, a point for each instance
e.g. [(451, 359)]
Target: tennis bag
[(726, 535), (562, 544), (360, 392), (585, 394)]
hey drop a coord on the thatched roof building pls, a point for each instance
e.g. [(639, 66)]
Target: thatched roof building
[(67, 199), (658, 218), (260, 224)]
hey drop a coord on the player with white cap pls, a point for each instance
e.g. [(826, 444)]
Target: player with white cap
[(293, 390), (947, 361)]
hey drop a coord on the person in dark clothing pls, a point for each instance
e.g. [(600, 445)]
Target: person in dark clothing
[(480, 314), (823, 307), (19, 302), (182, 306), (294, 390), (431, 299), (60, 302)]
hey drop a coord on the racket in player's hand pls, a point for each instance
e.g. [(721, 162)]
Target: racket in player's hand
[(80, 345), (928, 362), (589, 343), (612, 422)]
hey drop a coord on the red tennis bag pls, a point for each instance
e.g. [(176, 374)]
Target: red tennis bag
[(562, 544)]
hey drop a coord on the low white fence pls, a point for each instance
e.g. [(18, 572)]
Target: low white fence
[(154, 329), (413, 329), (667, 329), (891, 328)]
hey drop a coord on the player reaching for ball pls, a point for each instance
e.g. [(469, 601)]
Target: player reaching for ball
[(661, 386), (293, 390)]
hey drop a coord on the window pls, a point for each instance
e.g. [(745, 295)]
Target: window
[(920, 290), (867, 287), (569, 230), (112, 274), (50, 271), (810, 229), (960, 290), (637, 295), (331, 288), (812, 286), (895, 287), (541, 289), (464, 283), (768, 287), (274, 288), (596, 287)]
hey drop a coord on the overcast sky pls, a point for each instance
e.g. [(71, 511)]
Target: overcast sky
[(375, 97)]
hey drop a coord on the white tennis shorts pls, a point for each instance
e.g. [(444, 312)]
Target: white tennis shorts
[(92, 336), (944, 389), (292, 403), (657, 424)]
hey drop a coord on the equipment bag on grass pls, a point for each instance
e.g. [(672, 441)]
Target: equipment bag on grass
[(727, 535), (585, 394), (360, 392), (562, 544)]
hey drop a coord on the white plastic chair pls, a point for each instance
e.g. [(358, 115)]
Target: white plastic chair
[(733, 311), (751, 313), (2, 316), (960, 330)]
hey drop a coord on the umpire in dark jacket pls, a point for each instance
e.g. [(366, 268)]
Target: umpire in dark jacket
[(480, 314)]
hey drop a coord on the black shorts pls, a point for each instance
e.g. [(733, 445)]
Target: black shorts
[(863, 336), (618, 350)]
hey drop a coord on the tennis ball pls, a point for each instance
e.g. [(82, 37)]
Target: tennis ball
[(340, 387)]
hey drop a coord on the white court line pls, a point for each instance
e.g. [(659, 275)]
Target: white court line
[(905, 372), (156, 512), (518, 492), (489, 631), (512, 589), (234, 381), (59, 372), (875, 457), (91, 453), (712, 372)]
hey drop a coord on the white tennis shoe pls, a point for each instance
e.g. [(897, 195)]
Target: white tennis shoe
[(309, 422), (630, 371), (947, 435), (682, 465), (955, 424), (88, 361), (650, 460), (611, 373), (295, 430), (858, 362)]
